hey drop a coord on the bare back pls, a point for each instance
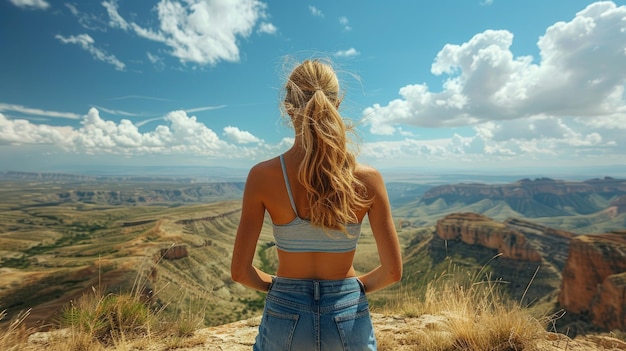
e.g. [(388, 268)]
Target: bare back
[(302, 265)]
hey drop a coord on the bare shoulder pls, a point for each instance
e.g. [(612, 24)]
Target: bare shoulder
[(373, 181), (263, 169), (368, 175)]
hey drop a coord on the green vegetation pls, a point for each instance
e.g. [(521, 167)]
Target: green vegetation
[(21, 262), (107, 316), (59, 246)]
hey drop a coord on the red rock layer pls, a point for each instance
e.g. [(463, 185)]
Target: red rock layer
[(594, 279), (476, 229)]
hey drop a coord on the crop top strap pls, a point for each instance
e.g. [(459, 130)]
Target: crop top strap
[(293, 204)]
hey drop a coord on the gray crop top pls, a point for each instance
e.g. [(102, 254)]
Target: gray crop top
[(300, 236)]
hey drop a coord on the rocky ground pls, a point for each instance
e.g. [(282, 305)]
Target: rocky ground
[(393, 333)]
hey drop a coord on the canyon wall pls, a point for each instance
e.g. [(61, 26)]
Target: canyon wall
[(594, 279)]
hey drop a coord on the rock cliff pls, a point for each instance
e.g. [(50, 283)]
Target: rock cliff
[(175, 252), (594, 279), (475, 229), (532, 256)]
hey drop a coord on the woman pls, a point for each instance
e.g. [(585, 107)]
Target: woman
[(316, 195)]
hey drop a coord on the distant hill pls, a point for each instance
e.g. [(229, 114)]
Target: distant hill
[(47, 189), (596, 205), (152, 194)]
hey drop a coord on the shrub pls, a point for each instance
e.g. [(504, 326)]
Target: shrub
[(476, 314), (107, 316)]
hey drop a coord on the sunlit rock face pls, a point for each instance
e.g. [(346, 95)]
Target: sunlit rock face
[(594, 279), (175, 252), (476, 229)]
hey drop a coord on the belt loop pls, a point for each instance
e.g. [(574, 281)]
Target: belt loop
[(271, 283), (316, 290)]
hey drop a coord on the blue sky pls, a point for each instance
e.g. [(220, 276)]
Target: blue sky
[(456, 85)]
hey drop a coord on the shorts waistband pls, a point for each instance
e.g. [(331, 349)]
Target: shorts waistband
[(317, 288)]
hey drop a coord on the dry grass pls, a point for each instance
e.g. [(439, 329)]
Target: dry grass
[(97, 322), (456, 311), (464, 313), (15, 335), (107, 317)]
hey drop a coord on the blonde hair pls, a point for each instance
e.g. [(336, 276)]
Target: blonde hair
[(327, 169)]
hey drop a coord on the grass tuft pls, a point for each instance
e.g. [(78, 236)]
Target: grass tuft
[(474, 315), (15, 335), (105, 317)]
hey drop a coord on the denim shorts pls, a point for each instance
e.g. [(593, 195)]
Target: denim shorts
[(319, 315)]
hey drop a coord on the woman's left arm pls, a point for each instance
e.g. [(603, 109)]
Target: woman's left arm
[(250, 224)]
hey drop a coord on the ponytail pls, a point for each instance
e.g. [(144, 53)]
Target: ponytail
[(327, 168)]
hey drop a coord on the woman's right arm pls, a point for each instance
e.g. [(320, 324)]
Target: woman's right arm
[(384, 230), (250, 225)]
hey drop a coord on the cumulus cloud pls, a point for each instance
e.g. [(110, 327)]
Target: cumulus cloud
[(199, 31), (267, 28), (347, 53), (494, 145), (181, 134), (87, 43), (21, 131), (240, 136), (581, 73), (31, 4)]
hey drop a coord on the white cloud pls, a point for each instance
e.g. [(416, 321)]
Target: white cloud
[(581, 74), (503, 144), (21, 131), (181, 134), (72, 9), (118, 112), (315, 11), (153, 58), (204, 108), (156, 60), (115, 20), (38, 112), (347, 53), (199, 31), (31, 4), (343, 20), (86, 42), (88, 21), (240, 136), (267, 28)]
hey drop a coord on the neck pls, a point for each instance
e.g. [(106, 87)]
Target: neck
[(296, 150)]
